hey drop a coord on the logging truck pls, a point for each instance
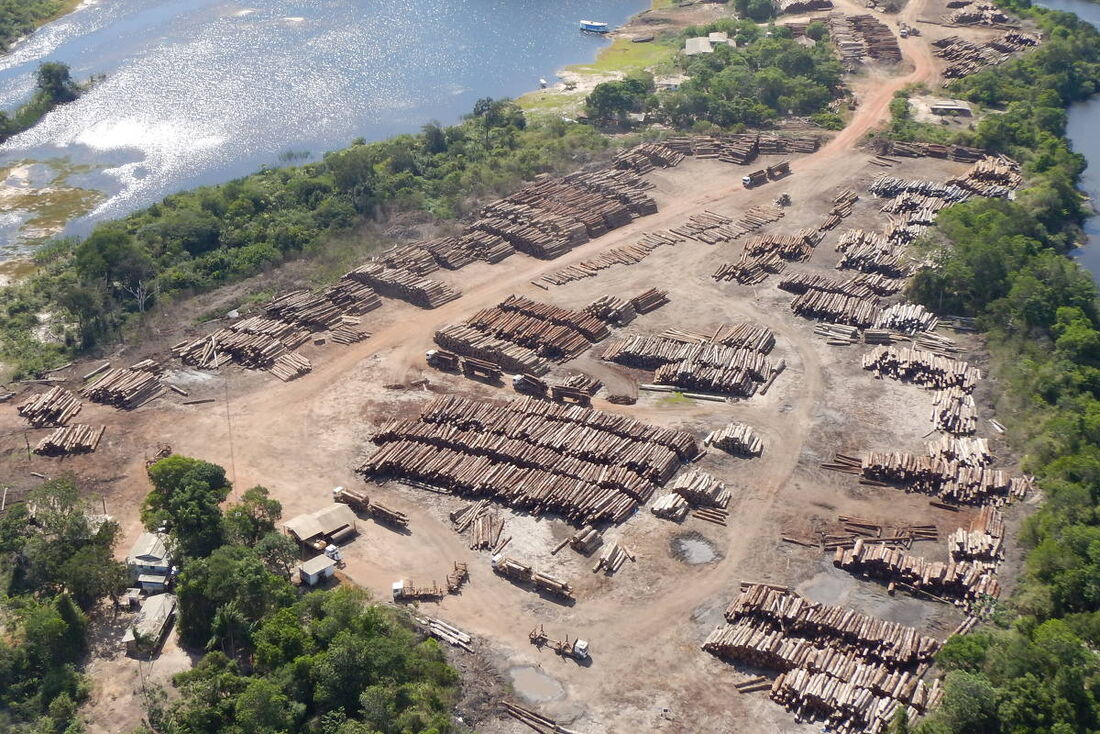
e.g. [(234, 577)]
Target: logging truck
[(513, 569), (356, 499), (755, 178), (576, 649), (405, 590)]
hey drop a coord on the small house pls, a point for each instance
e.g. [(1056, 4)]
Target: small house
[(696, 46), (316, 570), (950, 108), (670, 83), (718, 37), (150, 562), (150, 627)]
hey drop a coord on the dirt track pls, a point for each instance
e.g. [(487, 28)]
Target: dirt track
[(302, 438)]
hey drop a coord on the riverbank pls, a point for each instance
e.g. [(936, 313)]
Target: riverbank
[(20, 18)]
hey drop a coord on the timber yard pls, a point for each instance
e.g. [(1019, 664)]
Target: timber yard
[(646, 406)]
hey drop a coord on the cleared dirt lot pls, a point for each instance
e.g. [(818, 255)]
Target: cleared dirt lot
[(646, 622)]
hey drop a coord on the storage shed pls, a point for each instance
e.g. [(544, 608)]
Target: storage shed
[(316, 570), (695, 46), (333, 524), (150, 627)]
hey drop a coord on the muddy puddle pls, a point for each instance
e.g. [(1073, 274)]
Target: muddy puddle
[(694, 549), (535, 686)]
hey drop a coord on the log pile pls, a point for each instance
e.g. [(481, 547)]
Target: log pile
[(700, 489), (856, 286), (645, 157), (750, 270), (922, 368), (959, 153), (870, 252), (584, 464), (458, 252), (611, 558), (484, 525), (404, 285), (888, 187), (625, 255), (312, 311), (290, 366), (521, 335), (983, 540), (703, 365), (954, 412), (907, 318), (75, 439), (861, 38), (649, 300), (413, 257), (55, 407), (794, 247), (124, 388), (736, 438), (836, 308), (612, 310), (670, 506), (796, 7), (585, 383), (975, 14), (835, 665), (949, 480), (960, 581), (973, 452), (994, 176), (967, 57)]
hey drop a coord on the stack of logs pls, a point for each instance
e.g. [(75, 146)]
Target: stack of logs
[(55, 407), (736, 438), (837, 308), (124, 388), (522, 335), (290, 366), (945, 478), (922, 368), (75, 439), (706, 364), (954, 412), (611, 558), (908, 318), (403, 285), (624, 255), (645, 157), (968, 57), (649, 300), (963, 582), (835, 665), (959, 153), (670, 506), (700, 489), (584, 464), (869, 252), (983, 540), (862, 37), (612, 310), (484, 525)]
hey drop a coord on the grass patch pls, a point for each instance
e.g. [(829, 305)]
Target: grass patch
[(676, 398), (624, 56), (551, 101)]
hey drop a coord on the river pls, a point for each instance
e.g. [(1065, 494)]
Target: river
[(202, 91), (1084, 121)]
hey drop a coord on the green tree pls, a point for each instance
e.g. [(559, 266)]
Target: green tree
[(53, 80), (185, 500), (253, 517)]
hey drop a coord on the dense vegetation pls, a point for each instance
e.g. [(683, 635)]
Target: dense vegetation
[(54, 566), (1035, 669), (200, 239), (763, 78), (20, 17), (276, 661), (53, 86)]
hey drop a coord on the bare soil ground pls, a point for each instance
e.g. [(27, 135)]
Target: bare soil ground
[(646, 622)]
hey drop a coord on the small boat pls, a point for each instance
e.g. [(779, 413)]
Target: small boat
[(594, 26), (543, 83)]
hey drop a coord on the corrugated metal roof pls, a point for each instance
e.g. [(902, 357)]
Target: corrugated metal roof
[(149, 546)]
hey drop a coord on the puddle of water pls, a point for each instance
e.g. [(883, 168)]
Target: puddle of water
[(534, 686), (825, 588), (694, 549)]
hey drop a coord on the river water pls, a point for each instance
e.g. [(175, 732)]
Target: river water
[(1084, 122), (201, 91)]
